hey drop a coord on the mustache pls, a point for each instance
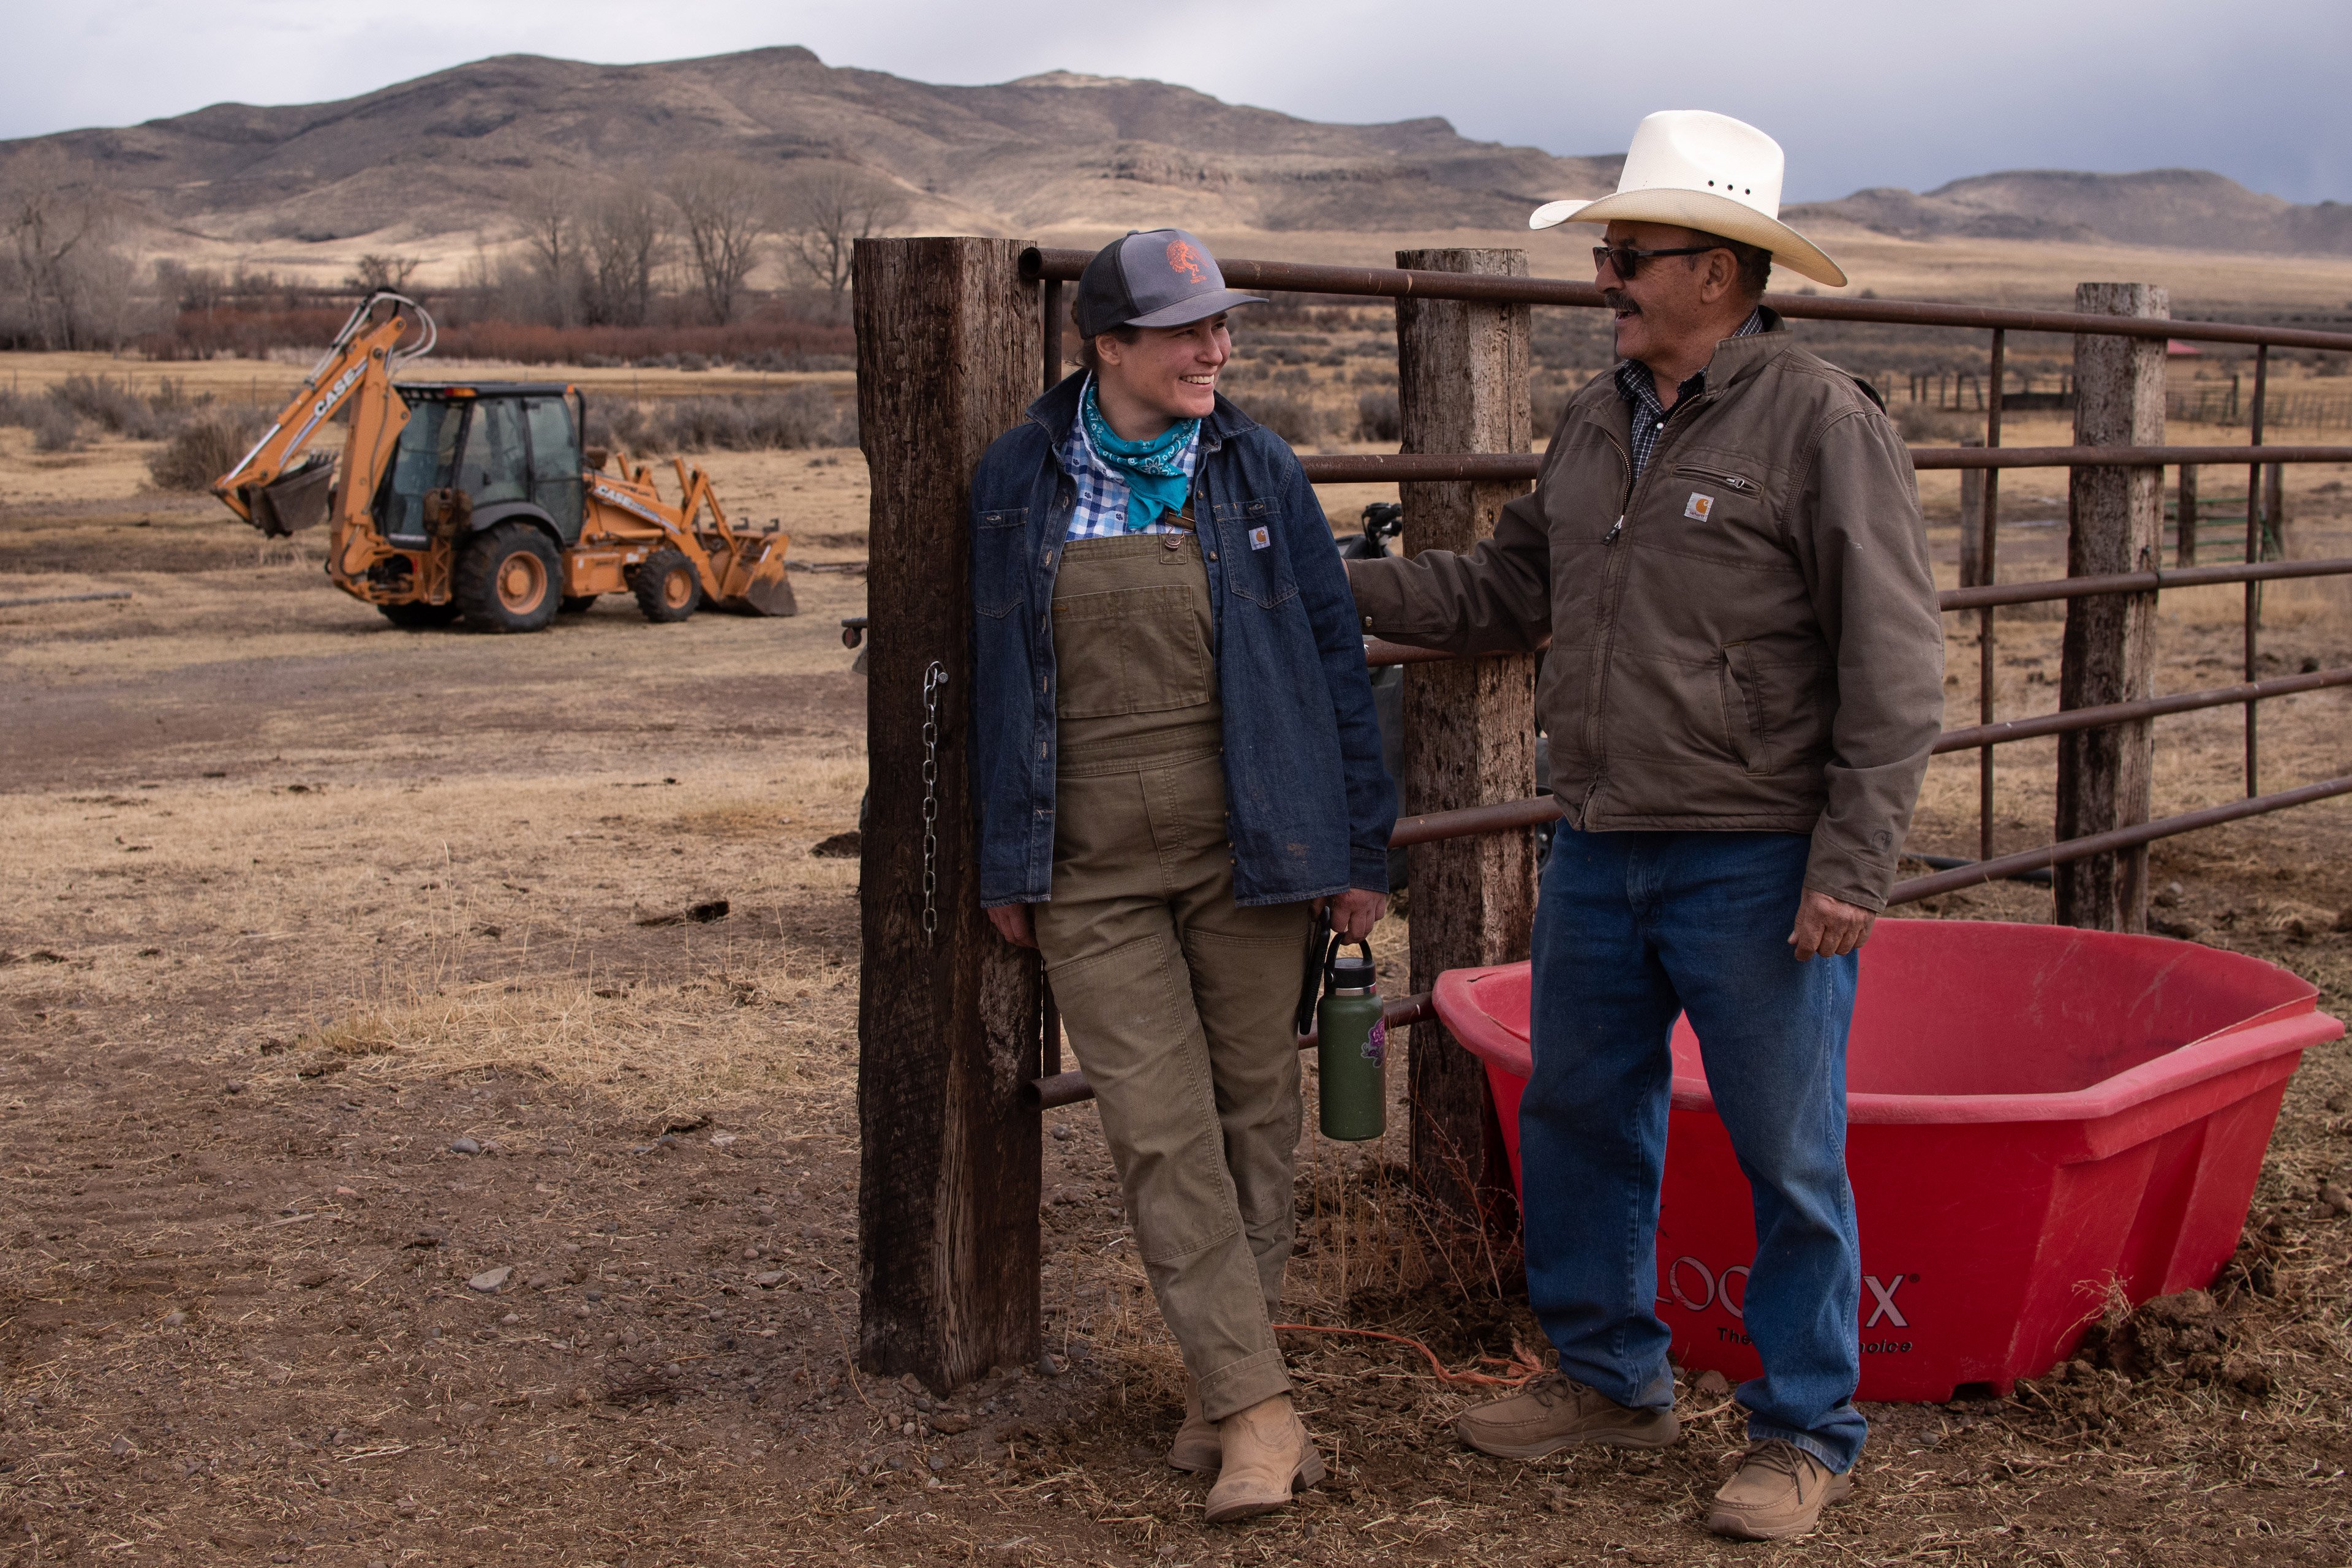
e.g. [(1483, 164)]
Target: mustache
[(1618, 299)]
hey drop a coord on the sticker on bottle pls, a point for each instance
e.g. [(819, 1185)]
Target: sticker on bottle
[(1376, 1043)]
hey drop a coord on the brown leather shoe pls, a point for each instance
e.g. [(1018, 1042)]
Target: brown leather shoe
[(1196, 1448), (1555, 1410), (1779, 1491), (1267, 1456)]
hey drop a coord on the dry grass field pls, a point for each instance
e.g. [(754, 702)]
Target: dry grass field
[(397, 1171)]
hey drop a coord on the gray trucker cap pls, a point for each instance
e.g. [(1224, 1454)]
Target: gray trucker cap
[(1160, 278)]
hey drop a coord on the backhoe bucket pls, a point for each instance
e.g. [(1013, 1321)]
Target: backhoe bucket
[(297, 499), (755, 580)]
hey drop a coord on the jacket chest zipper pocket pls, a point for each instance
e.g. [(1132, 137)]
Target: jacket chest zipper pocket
[(1737, 483)]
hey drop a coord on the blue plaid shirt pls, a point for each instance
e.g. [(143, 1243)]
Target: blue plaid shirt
[(1101, 512), (1639, 388)]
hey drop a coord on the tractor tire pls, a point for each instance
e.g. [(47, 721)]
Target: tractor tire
[(510, 579), (417, 616), (574, 604), (667, 587)]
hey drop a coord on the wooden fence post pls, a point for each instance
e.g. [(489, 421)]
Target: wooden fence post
[(948, 1021), (2109, 653), (1469, 725)]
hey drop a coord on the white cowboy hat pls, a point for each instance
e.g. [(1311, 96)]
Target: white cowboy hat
[(1707, 171)]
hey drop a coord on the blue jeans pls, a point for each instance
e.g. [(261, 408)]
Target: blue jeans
[(1632, 928)]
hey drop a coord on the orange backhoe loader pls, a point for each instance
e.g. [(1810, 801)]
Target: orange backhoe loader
[(478, 499)]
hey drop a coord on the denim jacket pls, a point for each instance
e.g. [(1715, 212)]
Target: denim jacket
[(1310, 805)]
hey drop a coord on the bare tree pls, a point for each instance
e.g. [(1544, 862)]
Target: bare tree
[(724, 206), (68, 278), (377, 270), (827, 212), (626, 237), (497, 285), (186, 288), (548, 209)]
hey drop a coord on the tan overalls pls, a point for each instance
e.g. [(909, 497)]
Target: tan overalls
[(1177, 1001)]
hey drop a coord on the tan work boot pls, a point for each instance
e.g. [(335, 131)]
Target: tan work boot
[(1267, 1456), (1779, 1491), (1196, 1448), (1555, 1410)]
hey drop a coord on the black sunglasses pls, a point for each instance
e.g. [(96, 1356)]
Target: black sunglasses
[(1627, 260)]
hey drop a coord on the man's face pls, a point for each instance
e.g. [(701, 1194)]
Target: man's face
[(1171, 370), (1663, 303)]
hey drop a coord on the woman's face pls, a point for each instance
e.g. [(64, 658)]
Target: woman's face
[(1170, 373)]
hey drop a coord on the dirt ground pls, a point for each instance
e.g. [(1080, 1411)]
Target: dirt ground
[(405, 1163)]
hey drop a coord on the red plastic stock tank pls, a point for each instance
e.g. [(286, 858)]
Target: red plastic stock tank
[(2036, 1115)]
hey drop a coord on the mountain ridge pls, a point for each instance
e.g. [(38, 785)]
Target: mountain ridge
[(438, 154), (2186, 208), (442, 158)]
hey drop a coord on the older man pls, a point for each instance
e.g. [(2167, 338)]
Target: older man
[(1725, 555)]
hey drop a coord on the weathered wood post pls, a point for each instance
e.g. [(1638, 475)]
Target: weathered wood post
[(1469, 725), (2109, 652), (948, 1014)]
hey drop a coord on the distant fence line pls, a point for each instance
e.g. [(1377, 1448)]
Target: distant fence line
[(2207, 402), (2214, 404)]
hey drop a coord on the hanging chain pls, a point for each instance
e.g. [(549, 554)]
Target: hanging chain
[(934, 677)]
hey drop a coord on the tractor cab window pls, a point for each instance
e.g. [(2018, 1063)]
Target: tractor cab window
[(496, 464), (555, 463), (422, 462)]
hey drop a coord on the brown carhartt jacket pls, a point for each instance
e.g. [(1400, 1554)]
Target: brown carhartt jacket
[(1747, 639)]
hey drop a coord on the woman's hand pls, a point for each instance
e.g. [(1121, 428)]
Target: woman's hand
[(1353, 912), (1012, 923)]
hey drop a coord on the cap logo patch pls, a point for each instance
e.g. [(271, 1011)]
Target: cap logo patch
[(1182, 258), (1698, 506)]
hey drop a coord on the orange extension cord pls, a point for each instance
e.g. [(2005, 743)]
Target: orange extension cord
[(1526, 1366)]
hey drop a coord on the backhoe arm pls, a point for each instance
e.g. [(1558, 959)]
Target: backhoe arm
[(357, 369)]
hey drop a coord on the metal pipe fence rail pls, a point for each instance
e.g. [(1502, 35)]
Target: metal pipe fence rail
[(1383, 467), (1398, 283), (1070, 1088)]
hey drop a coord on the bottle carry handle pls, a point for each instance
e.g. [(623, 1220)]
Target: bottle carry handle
[(1323, 945)]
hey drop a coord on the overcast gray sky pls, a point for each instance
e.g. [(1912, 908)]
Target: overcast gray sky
[(1859, 93)]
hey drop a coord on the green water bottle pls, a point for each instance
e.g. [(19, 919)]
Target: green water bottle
[(1352, 1048)]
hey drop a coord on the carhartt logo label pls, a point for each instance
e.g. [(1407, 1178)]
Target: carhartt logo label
[(1182, 258), (1260, 538), (1699, 506)]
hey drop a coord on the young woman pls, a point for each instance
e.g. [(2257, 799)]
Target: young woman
[(1178, 764)]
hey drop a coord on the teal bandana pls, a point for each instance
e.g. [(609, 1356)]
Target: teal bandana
[(1153, 469)]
